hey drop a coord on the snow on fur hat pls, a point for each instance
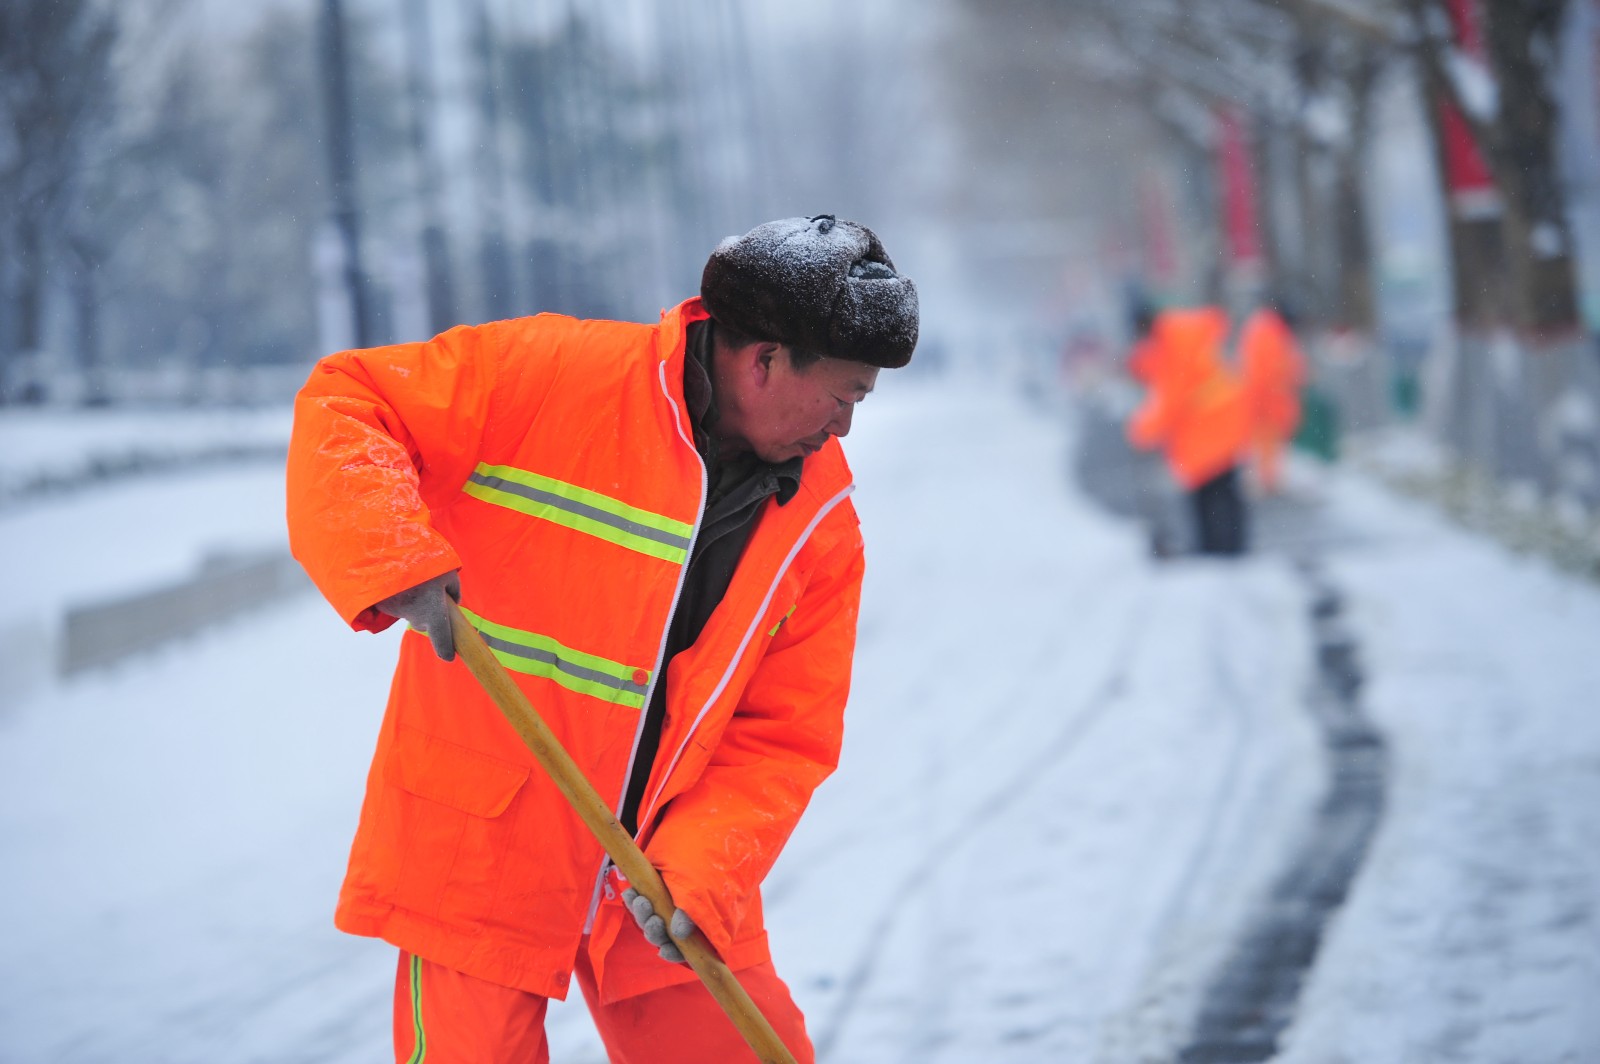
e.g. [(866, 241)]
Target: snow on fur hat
[(819, 284)]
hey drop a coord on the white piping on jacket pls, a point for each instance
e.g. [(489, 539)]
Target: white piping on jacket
[(661, 650), (733, 663)]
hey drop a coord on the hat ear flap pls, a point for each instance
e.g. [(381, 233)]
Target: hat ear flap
[(874, 320)]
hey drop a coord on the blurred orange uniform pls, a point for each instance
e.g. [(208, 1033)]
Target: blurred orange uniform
[(1273, 370), (1194, 409)]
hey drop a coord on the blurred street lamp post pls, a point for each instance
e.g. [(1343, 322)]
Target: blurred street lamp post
[(341, 167), (499, 298), (419, 85)]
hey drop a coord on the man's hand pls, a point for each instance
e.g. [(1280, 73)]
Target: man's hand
[(424, 608), (655, 928)]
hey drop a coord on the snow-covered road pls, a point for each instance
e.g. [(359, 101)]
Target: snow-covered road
[(1069, 774)]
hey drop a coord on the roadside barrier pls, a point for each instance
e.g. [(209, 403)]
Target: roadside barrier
[(103, 633)]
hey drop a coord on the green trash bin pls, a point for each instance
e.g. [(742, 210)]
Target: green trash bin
[(1406, 393), (1318, 433)]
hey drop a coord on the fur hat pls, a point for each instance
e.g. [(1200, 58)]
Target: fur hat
[(820, 284)]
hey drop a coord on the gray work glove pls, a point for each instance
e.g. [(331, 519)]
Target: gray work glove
[(655, 928), (423, 607)]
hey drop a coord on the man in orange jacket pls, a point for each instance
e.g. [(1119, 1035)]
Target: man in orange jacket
[(1194, 412), (1272, 370), (650, 526)]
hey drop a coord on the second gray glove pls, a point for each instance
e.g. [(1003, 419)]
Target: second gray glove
[(655, 928)]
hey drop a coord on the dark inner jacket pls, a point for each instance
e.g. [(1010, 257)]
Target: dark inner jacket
[(736, 487)]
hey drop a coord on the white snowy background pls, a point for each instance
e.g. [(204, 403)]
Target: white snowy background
[(1069, 773)]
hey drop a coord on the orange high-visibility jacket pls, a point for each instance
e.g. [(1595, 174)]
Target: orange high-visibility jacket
[(1273, 370), (1193, 409), (552, 461)]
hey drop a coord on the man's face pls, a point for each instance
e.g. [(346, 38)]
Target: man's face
[(780, 412)]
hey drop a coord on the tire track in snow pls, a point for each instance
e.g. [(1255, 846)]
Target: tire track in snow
[(1133, 1033), (1101, 699), (925, 687), (1231, 696)]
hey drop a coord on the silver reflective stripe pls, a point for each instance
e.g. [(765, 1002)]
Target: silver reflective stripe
[(576, 671), (533, 654), (580, 509)]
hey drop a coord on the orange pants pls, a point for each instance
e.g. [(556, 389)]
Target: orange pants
[(442, 1016)]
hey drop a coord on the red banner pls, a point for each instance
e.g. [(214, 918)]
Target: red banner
[(1464, 19), (1237, 172), (1472, 189)]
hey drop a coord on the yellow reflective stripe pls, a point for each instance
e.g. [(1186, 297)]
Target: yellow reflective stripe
[(419, 1051), (785, 617), (581, 510), (538, 655)]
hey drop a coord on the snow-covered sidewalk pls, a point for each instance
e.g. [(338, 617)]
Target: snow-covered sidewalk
[(45, 452), (1069, 773), (1473, 933)]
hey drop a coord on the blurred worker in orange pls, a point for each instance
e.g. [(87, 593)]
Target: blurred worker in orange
[(1194, 411), (1272, 370)]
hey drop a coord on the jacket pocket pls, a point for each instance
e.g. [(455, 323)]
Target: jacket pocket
[(453, 775), (451, 830)]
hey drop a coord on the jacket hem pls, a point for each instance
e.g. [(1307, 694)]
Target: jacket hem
[(546, 971)]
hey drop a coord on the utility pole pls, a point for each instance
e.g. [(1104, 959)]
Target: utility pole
[(499, 297), (419, 89), (342, 166)]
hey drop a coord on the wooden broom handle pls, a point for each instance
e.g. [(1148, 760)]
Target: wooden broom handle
[(625, 853)]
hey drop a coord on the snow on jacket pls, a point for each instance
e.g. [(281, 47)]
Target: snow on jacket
[(1193, 409), (1272, 370), (551, 460)]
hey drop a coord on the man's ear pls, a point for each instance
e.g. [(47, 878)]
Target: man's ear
[(761, 362)]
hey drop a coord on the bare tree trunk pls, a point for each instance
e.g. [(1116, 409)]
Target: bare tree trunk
[(1310, 281), (29, 298), (1263, 141), (1476, 248), (1464, 410), (1523, 38), (419, 88), (499, 297), (1354, 303), (342, 168), (1538, 290), (86, 308)]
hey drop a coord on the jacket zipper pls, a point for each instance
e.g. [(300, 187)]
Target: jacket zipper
[(661, 650)]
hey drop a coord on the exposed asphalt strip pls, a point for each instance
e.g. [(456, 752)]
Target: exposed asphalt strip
[(1253, 996)]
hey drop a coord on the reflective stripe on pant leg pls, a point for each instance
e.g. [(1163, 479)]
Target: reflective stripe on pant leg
[(419, 1051), (443, 1016), (410, 1044)]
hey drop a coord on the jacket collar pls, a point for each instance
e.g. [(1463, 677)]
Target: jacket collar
[(822, 474)]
